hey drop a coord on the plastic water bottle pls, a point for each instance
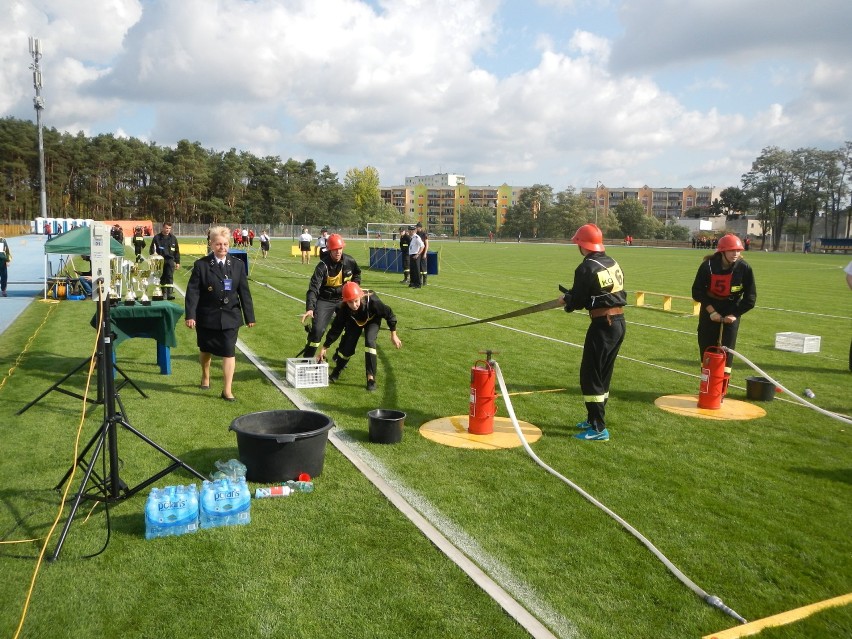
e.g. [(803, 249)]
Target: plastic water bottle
[(225, 502), (273, 491), (300, 486), (809, 393), (171, 511)]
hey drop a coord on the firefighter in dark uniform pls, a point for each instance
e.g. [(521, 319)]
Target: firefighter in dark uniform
[(360, 312), (724, 286), (335, 268), (404, 241), (599, 288), (165, 245), (424, 257), (138, 242)]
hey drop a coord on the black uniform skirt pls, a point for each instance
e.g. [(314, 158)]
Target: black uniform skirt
[(305, 246), (219, 342)]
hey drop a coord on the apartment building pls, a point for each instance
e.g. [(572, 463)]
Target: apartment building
[(663, 203), (437, 200)]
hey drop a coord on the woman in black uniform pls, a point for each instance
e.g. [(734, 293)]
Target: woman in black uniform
[(217, 301)]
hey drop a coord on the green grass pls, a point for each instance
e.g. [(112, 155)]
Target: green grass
[(756, 512)]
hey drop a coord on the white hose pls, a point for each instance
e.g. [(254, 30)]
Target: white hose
[(713, 600), (827, 413)]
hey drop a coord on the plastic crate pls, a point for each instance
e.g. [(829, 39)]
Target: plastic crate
[(797, 342), (306, 373)]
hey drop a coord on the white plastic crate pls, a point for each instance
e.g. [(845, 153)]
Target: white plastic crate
[(797, 342), (306, 373)]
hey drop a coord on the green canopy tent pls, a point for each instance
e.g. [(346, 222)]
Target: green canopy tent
[(77, 241)]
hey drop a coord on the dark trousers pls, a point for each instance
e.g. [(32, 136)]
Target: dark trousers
[(603, 341), (708, 335), (167, 279), (415, 271), (323, 313), (349, 342), (4, 275)]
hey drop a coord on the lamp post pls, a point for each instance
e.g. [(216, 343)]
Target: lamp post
[(597, 186), (38, 103)]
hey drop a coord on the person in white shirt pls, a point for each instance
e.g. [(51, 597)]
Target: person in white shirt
[(305, 245), (415, 249)]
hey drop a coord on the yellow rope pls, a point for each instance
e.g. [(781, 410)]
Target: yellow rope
[(26, 348), (68, 483)]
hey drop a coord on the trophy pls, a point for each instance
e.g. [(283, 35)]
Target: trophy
[(144, 300), (155, 263)]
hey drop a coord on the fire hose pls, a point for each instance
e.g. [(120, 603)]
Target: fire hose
[(536, 308), (712, 600)]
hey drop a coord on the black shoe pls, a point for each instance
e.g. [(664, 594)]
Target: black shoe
[(333, 376), (227, 399), (371, 385), (405, 281)]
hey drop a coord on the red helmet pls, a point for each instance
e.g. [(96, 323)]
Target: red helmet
[(729, 242), (335, 242), (589, 237), (351, 292)]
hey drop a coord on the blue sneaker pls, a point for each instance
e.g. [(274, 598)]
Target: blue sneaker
[(590, 434), (584, 425)]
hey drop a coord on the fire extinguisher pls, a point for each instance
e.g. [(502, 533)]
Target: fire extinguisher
[(713, 380), (482, 405)]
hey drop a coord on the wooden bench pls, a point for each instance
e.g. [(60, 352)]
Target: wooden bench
[(827, 244), (667, 301)]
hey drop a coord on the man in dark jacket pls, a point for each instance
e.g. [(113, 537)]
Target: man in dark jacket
[(599, 288), (166, 246)]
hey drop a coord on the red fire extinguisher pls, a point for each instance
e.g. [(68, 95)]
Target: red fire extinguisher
[(482, 405), (713, 382)]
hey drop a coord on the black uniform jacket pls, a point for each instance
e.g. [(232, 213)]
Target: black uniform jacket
[(165, 246), (371, 309), (598, 283), (730, 291), (207, 301), (329, 277)]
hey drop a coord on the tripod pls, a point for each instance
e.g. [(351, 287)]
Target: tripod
[(109, 489)]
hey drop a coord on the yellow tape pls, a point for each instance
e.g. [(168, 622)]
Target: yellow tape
[(781, 619)]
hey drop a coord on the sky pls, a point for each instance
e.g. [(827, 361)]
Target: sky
[(569, 93)]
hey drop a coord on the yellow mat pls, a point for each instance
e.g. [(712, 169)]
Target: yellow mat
[(731, 409), (452, 431)]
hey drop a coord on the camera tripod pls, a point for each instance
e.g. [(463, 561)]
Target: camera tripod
[(110, 488)]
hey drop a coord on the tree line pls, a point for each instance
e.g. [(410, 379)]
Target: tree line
[(106, 177), (801, 192)]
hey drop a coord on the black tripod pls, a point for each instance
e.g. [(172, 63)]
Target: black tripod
[(109, 489), (99, 399)]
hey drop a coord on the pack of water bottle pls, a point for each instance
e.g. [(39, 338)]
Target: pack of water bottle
[(171, 511), (224, 502)]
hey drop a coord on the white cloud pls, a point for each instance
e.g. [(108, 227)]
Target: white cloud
[(395, 84)]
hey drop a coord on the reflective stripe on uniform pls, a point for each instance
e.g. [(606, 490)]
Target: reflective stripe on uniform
[(595, 399), (371, 351)]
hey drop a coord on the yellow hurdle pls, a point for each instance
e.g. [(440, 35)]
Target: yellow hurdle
[(667, 301)]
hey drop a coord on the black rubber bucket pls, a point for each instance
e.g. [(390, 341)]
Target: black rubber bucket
[(278, 445), (760, 389), (386, 426)]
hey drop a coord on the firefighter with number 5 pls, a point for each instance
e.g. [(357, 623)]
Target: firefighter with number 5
[(724, 286), (599, 288)]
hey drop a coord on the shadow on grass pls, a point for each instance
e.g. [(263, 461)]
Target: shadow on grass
[(842, 475)]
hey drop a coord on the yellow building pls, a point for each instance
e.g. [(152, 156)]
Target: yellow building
[(437, 200), (665, 204)]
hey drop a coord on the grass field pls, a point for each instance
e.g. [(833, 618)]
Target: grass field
[(756, 512)]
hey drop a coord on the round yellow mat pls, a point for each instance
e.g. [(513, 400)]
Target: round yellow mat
[(452, 431), (731, 409)]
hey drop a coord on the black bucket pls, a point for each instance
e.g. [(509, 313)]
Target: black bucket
[(760, 389), (386, 426), (278, 445)]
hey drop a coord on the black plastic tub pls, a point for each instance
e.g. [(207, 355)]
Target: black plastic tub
[(386, 426), (279, 445), (760, 389)]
